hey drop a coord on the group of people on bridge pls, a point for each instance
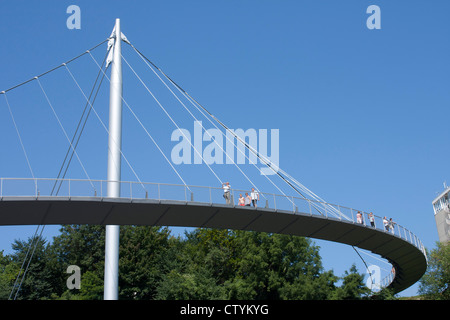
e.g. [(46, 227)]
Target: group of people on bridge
[(253, 198), (388, 224), (248, 200)]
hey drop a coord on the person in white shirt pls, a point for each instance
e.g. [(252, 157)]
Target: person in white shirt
[(359, 217), (372, 220), (386, 224), (226, 192), (254, 195)]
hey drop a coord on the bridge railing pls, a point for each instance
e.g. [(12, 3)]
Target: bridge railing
[(213, 195)]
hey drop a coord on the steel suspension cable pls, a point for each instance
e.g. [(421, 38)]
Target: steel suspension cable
[(171, 119), (278, 171), (262, 158), (104, 127), (65, 133), (79, 126), (192, 115), (19, 136), (146, 131), (190, 100), (55, 68), (34, 240), (37, 229), (266, 161), (367, 268), (45, 73)]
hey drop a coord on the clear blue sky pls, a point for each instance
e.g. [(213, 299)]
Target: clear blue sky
[(361, 113)]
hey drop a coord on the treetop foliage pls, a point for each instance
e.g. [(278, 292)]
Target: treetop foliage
[(205, 264)]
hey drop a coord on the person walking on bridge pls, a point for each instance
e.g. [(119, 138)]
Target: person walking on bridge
[(226, 192), (391, 225), (255, 197), (359, 218), (386, 223), (241, 200), (247, 200), (372, 220)]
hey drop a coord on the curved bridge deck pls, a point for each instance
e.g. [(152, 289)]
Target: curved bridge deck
[(402, 249)]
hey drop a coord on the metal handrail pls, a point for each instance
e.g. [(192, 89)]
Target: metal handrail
[(152, 190)]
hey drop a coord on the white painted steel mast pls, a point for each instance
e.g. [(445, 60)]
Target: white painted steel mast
[(111, 278)]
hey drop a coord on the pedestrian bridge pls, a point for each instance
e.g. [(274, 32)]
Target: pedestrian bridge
[(32, 202)]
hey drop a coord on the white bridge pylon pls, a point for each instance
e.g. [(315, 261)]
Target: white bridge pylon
[(111, 278)]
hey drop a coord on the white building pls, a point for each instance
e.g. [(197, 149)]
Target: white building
[(441, 206)]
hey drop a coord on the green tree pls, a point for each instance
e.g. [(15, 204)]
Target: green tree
[(353, 286), (143, 259), (39, 273), (8, 273), (192, 283), (83, 246), (215, 250), (91, 286), (274, 266), (226, 264), (206, 264), (436, 281), (144, 253), (200, 265)]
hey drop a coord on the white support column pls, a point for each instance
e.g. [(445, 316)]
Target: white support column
[(111, 284)]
